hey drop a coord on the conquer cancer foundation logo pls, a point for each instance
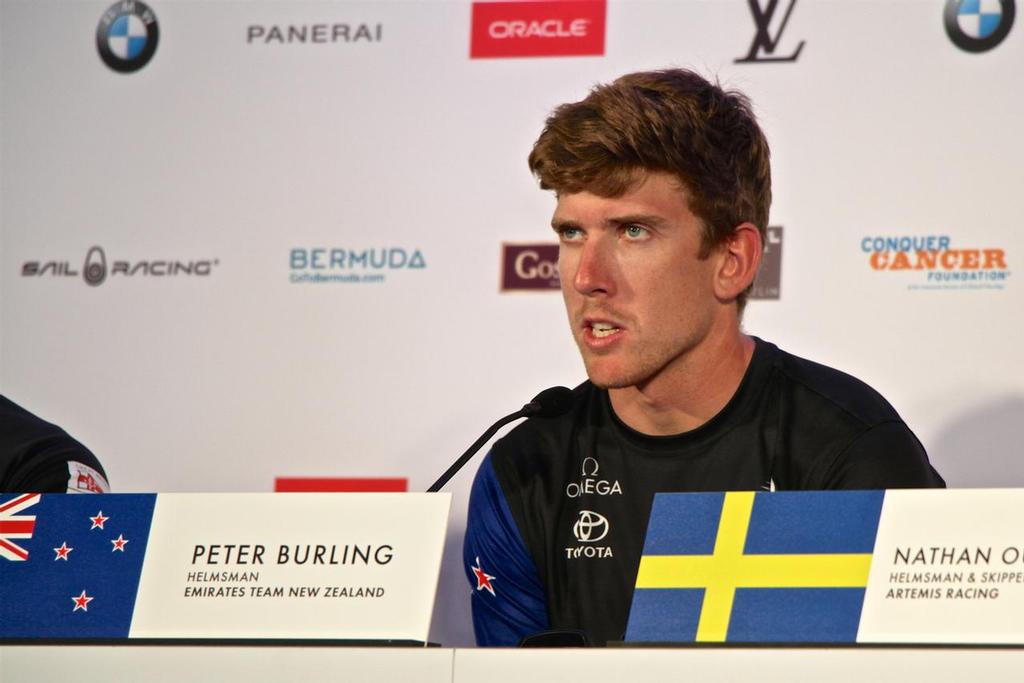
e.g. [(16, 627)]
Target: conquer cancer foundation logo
[(937, 262)]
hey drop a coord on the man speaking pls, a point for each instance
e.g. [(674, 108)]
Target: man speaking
[(663, 187)]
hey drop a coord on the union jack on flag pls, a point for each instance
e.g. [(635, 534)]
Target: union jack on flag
[(13, 525)]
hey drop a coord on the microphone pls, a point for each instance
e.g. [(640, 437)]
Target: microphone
[(548, 403)]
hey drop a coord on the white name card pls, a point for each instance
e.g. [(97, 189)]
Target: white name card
[(948, 567), (347, 566)]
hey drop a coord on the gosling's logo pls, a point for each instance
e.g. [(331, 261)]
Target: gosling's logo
[(937, 262), (978, 25), (127, 36), (530, 267)]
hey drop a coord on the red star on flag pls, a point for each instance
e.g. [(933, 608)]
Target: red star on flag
[(98, 521), (483, 579), (119, 543), (62, 551), (82, 602)]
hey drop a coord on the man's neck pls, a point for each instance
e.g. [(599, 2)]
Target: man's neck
[(689, 392)]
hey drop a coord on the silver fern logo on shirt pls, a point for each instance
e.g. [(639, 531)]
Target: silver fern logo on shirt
[(590, 483)]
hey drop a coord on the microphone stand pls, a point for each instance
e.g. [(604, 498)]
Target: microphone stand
[(471, 451)]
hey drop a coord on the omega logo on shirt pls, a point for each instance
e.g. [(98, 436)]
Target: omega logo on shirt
[(590, 484)]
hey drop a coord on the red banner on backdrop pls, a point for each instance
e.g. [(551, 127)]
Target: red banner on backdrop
[(556, 28), (341, 484)]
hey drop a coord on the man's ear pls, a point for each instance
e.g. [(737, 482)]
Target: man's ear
[(739, 257)]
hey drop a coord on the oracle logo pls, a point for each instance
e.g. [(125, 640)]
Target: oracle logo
[(529, 267), (551, 28)]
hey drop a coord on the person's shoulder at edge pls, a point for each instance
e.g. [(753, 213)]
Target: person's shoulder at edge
[(882, 451), (39, 456), (847, 393)]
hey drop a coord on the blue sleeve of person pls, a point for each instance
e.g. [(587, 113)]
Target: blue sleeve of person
[(508, 598)]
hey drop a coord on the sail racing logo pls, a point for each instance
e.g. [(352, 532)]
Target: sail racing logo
[(96, 268), (937, 262)]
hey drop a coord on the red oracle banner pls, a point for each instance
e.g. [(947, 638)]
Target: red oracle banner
[(555, 28), (341, 484)]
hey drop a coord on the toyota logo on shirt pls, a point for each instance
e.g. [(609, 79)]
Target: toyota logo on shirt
[(590, 527)]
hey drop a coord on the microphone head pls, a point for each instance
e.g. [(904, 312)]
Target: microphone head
[(550, 403)]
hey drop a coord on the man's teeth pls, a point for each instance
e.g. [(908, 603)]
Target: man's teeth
[(603, 329)]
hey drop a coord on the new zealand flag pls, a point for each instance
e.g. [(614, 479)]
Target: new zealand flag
[(70, 564)]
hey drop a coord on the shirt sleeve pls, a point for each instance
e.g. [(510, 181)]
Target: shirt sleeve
[(508, 599), (56, 472), (886, 456), (39, 457)]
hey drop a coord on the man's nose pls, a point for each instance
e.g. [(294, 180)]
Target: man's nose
[(595, 270)]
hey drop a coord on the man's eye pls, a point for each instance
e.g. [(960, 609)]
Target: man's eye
[(635, 232), (570, 234)]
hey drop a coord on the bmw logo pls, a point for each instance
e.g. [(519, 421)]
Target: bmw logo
[(127, 35), (978, 25)]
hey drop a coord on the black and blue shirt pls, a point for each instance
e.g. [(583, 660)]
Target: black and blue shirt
[(559, 507)]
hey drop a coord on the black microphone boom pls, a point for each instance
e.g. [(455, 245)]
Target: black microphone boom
[(548, 403)]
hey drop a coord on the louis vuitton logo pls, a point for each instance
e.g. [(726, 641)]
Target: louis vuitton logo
[(762, 48)]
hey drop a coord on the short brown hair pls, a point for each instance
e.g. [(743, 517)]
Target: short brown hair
[(674, 121)]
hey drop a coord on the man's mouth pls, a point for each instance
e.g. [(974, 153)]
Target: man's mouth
[(601, 330)]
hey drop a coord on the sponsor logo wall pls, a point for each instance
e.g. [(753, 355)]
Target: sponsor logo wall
[(94, 271), (771, 18), (978, 25), (336, 264), (314, 34), (275, 245), (529, 267), (549, 28), (127, 36), (937, 264)]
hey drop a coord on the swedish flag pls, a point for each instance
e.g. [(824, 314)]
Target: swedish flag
[(755, 567)]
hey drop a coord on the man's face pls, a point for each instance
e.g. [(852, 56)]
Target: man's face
[(639, 299)]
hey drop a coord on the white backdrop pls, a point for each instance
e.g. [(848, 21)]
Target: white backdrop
[(227, 155)]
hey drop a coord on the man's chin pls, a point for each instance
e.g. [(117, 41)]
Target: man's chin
[(606, 379)]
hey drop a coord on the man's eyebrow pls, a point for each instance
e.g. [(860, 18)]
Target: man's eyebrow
[(559, 224), (652, 220)]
